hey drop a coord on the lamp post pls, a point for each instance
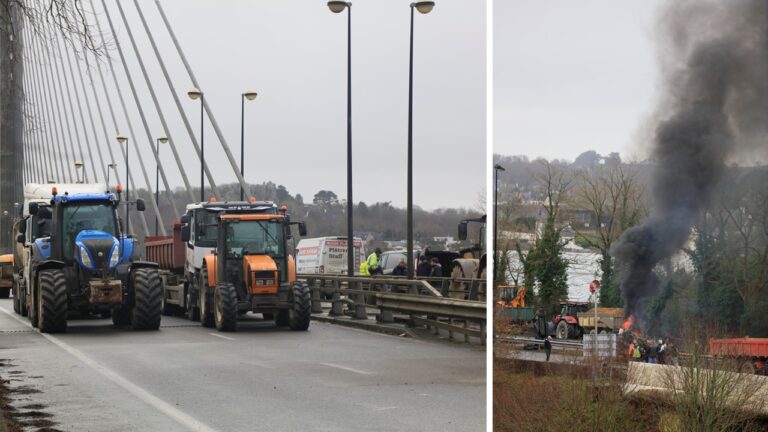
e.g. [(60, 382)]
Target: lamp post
[(496, 170), (424, 7), (338, 7), (194, 94), (250, 95), (161, 140), (78, 166), (124, 140)]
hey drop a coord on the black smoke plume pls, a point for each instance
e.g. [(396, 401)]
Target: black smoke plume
[(714, 112)]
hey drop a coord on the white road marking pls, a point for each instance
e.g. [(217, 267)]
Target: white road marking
[(221, 336), (148, 398), (348, 369), (385, 408)]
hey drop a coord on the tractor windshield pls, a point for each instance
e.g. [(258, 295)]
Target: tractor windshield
[(255, 237), (82, 216)]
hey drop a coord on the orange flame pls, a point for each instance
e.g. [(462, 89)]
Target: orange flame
[(628, 323)]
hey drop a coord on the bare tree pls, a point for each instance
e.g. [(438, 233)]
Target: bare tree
[(615, 198)]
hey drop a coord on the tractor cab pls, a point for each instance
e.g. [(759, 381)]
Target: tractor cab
[(252, 251), (477, 249)]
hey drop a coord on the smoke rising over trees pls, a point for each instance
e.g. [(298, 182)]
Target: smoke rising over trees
[(714, 112)]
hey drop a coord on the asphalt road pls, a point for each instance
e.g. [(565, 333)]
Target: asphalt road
[(97, 377)]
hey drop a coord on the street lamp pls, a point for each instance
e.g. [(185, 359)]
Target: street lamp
[(338, 7), (161, 140), (424, 7), (496, 170), (78, 166), (194, 94), (250, 95), (124, 140)]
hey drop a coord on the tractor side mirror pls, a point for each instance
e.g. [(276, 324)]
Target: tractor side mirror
[(463, 231), (185, 231), (21, 238), (302, 229), (33, 208), (287, 230), (23, 226), (140, 206)]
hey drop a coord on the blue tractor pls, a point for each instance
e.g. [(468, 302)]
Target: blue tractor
[(87, 264)]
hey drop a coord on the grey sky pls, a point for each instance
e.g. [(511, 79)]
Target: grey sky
[(294, 55), (572, 76)]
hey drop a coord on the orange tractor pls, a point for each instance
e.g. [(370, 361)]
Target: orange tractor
[(250, 270)]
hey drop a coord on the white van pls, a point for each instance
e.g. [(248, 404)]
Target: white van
[(327, 255)]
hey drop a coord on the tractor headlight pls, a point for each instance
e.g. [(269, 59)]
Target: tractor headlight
[(114, 257), (85, 259)]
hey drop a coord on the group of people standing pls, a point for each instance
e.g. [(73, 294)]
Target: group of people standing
[(652, 351), (426, 268)]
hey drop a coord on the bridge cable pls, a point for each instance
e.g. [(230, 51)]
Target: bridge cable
[(167, 130), (211, 117), (58, 105), (96, 98), (57, 122), (134, 137), (59, 73), (46, 122), (80, 112), (88, 110), (175, 95), (141, 115), (31, 96)]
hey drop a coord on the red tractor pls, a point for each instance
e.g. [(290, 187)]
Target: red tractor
[(567, 322)]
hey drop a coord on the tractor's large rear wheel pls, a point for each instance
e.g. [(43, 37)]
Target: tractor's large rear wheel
[(147, 299), (225, 307), (300, 314), (52, 302), (563, 330), (206, 300)]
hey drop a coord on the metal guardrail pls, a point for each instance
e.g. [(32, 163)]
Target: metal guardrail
[(422, 303)]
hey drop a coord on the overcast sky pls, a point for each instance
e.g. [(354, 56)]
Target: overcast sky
[(572, 76), (294, 55)]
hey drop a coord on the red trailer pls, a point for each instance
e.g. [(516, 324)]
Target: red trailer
[(169, 253), (753, 351)]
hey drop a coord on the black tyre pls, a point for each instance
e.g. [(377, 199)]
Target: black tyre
[(121, 316), (167, 308), (52, 302), (206, 300), (300, 314), (225, 307), (563, 330), (23, 302), (16, 300), (147, 299), (190, 304), (282, 318), (5, 293), (32, 305)]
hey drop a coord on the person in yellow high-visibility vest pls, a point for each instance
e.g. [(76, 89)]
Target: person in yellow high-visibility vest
[(373, 262)]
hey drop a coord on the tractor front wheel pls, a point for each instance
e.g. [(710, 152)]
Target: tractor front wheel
[(147, 299), (52, 302), (300, 314), (225, 307)]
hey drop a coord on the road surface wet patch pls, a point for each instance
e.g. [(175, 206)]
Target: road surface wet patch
[(26, 416)]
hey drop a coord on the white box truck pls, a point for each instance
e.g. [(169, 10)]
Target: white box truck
[(327, 255)]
